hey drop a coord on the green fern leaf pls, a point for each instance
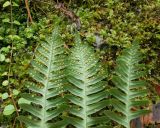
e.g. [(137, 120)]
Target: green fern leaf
[(130, 89), (48, 72), (88, 95)]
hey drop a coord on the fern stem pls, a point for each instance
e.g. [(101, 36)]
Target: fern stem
[(128, 94), (84, 94), (46, 86)]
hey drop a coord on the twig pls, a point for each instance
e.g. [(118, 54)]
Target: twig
[(14, 123), (28, 11), (9, 70)]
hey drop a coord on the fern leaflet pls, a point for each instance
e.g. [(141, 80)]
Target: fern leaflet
[(88, 94), (130, 89), (48, 72)]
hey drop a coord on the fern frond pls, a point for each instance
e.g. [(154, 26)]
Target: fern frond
[(46, 93), (88, 95), (130, 89)]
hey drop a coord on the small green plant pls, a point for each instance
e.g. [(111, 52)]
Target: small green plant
[(112, 23), (46, 94), (85, 98), (129, 91), (88, 95)]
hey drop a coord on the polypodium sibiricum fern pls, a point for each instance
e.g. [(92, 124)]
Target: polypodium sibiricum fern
[(45, 96), (88, 94), (130, 88)]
